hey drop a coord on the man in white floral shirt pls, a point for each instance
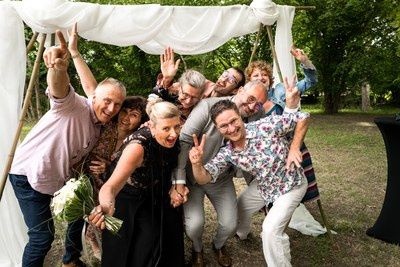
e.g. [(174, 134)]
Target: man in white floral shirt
[(260, 148)]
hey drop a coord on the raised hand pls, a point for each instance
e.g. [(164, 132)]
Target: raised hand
[(168, 65), (196, 153), (73, 40), (292, 92), (57, 56), (299, 54)]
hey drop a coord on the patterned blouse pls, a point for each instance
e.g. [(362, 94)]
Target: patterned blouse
[(105, 149), (264, 155)]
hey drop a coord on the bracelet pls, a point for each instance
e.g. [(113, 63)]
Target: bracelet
[(76, 55)]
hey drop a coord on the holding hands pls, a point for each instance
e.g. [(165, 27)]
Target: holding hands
[(178, 194)]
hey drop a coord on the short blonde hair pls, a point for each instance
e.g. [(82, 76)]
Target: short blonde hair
[(262, 65), (158, 109)]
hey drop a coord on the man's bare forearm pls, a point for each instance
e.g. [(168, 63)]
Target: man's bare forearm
[(299, 133), (201, 175), (58, 82)]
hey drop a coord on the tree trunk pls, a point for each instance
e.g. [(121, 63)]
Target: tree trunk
[(331, 102), (365, 91)]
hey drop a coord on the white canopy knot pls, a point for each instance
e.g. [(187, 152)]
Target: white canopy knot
[(265, 11)]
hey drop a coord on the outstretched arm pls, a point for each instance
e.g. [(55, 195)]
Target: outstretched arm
[(308, 67), (131, 158), (56, 60), (88, 81)]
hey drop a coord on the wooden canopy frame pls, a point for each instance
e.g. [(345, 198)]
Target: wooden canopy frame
[(35, 74)]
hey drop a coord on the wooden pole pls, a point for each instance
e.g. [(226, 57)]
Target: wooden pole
[(253, 53), (271, 43), (27, 100), (31, 42), (305, 7)]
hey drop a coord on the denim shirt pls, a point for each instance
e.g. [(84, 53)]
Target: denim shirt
[(277, 94)]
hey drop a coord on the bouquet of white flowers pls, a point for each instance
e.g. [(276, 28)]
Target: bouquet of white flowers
[(75, 200)]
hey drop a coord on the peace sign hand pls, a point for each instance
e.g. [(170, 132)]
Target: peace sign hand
[(196, 153), (292, 93)]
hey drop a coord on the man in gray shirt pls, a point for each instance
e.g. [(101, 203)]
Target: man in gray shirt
[(222, 195)]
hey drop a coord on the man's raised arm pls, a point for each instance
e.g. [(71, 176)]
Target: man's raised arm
[(56, 60)]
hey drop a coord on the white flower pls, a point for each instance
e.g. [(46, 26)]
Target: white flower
[(67, 192)]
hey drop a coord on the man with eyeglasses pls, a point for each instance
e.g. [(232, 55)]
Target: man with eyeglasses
[(249, 100), (260, 148), (227, 84)]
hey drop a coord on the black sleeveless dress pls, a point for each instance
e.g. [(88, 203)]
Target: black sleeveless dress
[(152, 232)]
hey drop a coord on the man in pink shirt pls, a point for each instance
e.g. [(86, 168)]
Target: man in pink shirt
[(60, 139)]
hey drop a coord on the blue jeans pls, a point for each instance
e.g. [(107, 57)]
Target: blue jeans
[(35, 208)]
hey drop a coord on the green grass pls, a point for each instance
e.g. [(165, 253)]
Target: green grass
[(350, 163)]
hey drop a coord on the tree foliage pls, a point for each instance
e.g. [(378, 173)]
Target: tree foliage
[(351, 42)]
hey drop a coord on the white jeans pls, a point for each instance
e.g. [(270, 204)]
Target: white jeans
[(276, 246), (223, 197), (249, 202)]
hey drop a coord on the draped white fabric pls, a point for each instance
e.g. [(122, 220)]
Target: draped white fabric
[(283, 43), (189, 30), (12, 80)]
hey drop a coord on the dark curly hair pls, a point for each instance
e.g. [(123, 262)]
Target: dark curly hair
[(136, 103)]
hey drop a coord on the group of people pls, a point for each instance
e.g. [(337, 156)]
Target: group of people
[(149, 169)]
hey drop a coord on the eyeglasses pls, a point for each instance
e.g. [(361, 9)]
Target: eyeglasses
[(187, 96), (251, 100), (230, 77), (234, 122)]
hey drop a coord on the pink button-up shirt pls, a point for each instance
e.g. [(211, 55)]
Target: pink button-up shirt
[(61, 138)]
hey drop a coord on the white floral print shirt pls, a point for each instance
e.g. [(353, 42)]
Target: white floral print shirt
[(264, 155)]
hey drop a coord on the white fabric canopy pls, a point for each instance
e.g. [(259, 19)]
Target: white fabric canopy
[(189, 30)]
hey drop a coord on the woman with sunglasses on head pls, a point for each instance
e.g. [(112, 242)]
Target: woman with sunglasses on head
[(137, 193)]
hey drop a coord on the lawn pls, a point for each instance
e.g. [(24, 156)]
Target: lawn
[(350, 164)]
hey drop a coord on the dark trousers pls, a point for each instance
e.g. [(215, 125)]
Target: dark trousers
[(151, 234), (136, 242), (35, 208)]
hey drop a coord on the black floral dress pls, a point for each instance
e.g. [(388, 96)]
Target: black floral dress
[(152, 232)]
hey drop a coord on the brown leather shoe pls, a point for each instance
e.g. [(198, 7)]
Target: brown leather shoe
[(222, 256), (197, 259)]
